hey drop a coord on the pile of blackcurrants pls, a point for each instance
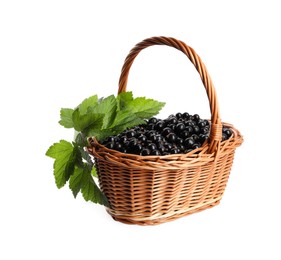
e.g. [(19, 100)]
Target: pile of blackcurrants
[(180, 133)]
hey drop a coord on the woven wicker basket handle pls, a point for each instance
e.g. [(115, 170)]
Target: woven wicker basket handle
[(216, 126)]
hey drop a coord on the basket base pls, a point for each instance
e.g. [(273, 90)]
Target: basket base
[(161, 219)]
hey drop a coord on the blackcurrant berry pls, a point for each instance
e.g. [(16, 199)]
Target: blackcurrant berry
[(189, 129), (172, 126), (189, 123), (152, 120), (142, 138), (172, 120), (156, 138), (195, 146), (196, 129), (131, 134), (175, 151), (168, 147), (179, 115), (123, 150), (150, 127), (185, 115), (152, 146), (205, 130), (117, 146), (145, 152), (161, 148), (160, 125), (185, 134), (110, 139), (224, 137), (110, 145), (181, 147), (132, 143), (180, 127), (166, 131), (195, 137), (196, 117), (137, 148), (179, 140), (150, 134), (201, 124), (202, 138), (188, 142), (171, 137), (228, 132), (155, 152), (123, 139)]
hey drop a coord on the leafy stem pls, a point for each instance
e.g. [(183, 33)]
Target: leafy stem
[(100, 118)]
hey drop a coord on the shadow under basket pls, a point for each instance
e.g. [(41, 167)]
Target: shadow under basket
[(150, 190)]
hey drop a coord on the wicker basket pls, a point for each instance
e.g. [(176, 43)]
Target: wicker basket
[(149, 190)]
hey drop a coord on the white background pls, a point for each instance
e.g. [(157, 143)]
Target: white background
[(56, 53)]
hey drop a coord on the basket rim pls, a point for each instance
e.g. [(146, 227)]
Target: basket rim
[(199, 156)]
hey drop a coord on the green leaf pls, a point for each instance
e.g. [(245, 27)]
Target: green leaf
[(125, 119), (123, 99), (91, 191), (81, 140), (87, 121), (66, 117), (94, 172), (85, 155), (76, 181), (88, 103), (65, 156), (100, 134), (145, 108), (108, 107)]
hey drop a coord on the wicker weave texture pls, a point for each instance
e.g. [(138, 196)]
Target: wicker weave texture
[(149, 190)]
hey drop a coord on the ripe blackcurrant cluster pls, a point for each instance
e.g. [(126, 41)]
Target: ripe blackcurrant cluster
[(179, 133)]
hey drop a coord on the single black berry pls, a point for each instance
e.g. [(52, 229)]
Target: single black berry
[(132, 143), (202, 138), (152, 146), (155, 152), (185, 115), (156, 138), (166, 131), (179, 115), (180, 127), (161, 148), (175, 150), (195, 146), (171, 137), (172, 120), (189, 129), (110, 145), (152, 120), (142, 138), (145, 152), (195, 137), (196, 117), (117, 146), (189, 142), (131, 133), (160, 125), (228, 132), (185, 134), (196, 129)]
